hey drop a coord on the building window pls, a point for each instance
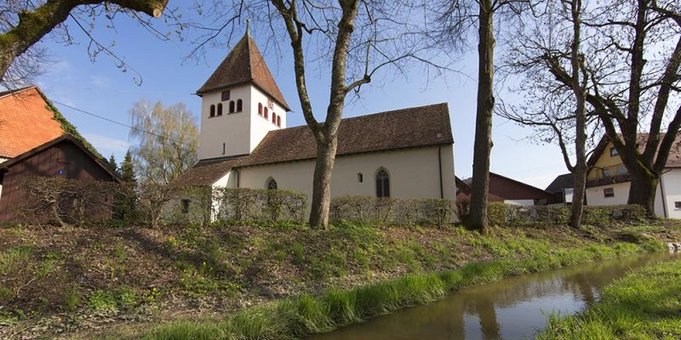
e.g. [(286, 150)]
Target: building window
[(239, 105), (224, 148), (220, 109), (360, 177), (185, 206), (677, 204), (231, 106), (212, 110), (606, 172), (274, 118), (265, 112), (613, 152), (608, 192), (279, 121), (225, 95), (260, 109), (382, 183), (271, 184)]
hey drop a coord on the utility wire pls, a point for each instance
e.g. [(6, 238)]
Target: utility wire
[(117, 123)]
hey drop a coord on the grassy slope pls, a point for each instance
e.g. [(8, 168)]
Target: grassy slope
[(644, 304), (73, 279)]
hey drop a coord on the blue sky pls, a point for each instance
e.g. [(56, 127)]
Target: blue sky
[(102, 88)]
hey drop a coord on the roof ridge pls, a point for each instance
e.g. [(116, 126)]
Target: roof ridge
[(4, 94)]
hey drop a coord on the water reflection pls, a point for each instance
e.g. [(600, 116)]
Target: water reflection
[(510, 309)]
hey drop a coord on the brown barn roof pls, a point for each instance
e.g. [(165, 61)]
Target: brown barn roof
[(503, 188), (25, 121), (244, 64), (390, 130), (560, 183), (64, 138)]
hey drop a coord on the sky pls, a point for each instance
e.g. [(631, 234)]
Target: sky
[(100, 87)]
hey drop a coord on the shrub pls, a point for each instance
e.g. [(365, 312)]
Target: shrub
[(502, 214), (382, 211)]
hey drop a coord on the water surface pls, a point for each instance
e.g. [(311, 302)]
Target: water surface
[(513, 308)]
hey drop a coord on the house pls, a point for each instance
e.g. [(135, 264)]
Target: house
[(245, 142), (608, 180), (510, 191), (561, 188), (63, 157)]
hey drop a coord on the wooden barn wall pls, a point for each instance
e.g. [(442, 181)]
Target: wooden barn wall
[(61, 160)]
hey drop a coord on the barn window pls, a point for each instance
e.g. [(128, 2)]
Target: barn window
[(260, 109), (279, 121), (220, 109), (212, 110), (225, 95), (265, 113), (231, 106), (185, 206), (271, 184), (608, 192), (382, 183), (239, 105)]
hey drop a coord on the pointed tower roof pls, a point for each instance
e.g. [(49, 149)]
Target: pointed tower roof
[(244, 64)]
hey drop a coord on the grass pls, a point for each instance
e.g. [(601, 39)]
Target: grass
[(644, 304), (307, 314)]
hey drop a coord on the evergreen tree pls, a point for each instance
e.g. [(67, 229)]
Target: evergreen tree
[(125, 207), (113, 166)]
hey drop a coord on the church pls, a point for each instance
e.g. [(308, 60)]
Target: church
[(245, 142)]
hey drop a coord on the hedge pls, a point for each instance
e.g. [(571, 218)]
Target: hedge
[(367, 209), (556, 215)]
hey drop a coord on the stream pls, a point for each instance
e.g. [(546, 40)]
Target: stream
[(514, 308)]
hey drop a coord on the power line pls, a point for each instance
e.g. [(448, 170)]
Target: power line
[(116, 122)]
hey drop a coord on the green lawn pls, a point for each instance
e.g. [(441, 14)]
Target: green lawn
[(645, 304)]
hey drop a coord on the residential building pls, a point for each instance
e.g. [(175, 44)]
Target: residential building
[(608, 180), (510, 191)]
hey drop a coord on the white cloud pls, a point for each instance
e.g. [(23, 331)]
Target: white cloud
[(100, 82), (107, 145)]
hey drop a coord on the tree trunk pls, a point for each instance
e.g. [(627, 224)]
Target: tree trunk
[(642, 192), (580, 169), (321, 187), (483, 123)]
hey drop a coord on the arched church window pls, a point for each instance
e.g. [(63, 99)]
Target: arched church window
[(382, 183), (260, 109), (239, 105), (212, 110), (265, 113), (274, 118), (278, 121), (220, 109), (271, 184), (231, 106)]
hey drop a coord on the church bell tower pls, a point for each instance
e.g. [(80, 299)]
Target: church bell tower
[(240, 104)]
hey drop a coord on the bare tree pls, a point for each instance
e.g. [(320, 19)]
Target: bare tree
[(633, 67), (351, 38), (23, 24), (167, 141), (551, 38), (455, 20)]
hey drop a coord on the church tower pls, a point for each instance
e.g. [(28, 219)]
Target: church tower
[(240, 104)]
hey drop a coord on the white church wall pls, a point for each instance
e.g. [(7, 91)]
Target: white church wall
[(414, 173), (259, 125), (231, 129)]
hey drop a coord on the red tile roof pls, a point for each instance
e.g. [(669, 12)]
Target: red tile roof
[(25, 121), (390, 130), (244, 64)]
